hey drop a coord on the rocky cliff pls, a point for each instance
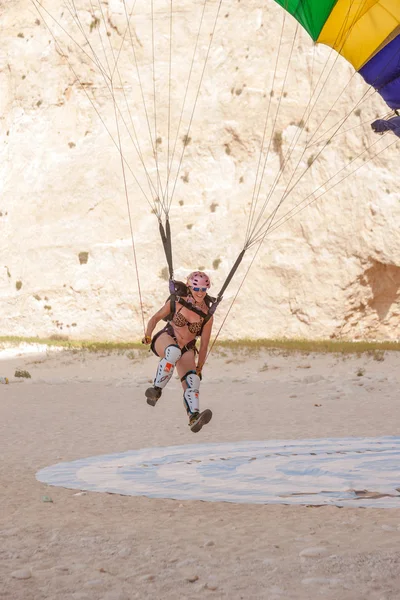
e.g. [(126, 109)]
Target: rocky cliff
[(85, 84)]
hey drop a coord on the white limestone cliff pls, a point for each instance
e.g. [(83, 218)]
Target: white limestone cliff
[(67, 262)]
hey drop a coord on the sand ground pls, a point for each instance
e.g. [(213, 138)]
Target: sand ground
[(100, 546)]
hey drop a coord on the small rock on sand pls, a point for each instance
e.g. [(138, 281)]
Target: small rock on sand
[(92, 583), (148, 577), (22, 574), (314, 552), (320, 581), (125, 552)]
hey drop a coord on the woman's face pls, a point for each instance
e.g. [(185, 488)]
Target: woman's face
[(197, 294)]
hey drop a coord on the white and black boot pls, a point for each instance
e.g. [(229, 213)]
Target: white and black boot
[(153, 394), (199, 419), (164, 373), (191, 400)]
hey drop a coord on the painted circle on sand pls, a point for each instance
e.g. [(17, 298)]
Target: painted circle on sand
[(339, 472)]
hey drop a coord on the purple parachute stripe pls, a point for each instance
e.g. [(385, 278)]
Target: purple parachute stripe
[(383, 73)]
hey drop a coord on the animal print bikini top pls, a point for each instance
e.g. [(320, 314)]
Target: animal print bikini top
[(180, 321)]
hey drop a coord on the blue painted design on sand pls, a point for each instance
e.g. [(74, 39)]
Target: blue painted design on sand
[(340, 472)]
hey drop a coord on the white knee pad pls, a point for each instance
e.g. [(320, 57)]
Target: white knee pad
[(172, 354), (191, 394), (166, 365)]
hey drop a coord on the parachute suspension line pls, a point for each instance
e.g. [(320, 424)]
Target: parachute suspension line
[(234, 269), (254, 200), (116, 60), (292, 146), (270, 219), (169, 100), (130, 220), (237, 292), (169, 164), (83, 87), (339, 35), (95, 58), (274, 126), (288, 190), (283, 220), (155, 109), (392, 58), (293, 211), (153, 190), (344, 119), (259, 187), (156, 209), (165, 233), (285, 161), (35, 4), (293, 142), (101, 39), (340, 133), (196, 99), (111, 73), (107, 81), (312, 89), (231, 273), (136, 143), (272, 133)]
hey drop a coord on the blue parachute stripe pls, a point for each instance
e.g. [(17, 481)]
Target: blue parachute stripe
[(383, 73), (393, 124), (391, 94)]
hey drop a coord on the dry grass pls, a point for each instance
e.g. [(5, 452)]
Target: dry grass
[(248, 346), (74, 344), (374, 349)]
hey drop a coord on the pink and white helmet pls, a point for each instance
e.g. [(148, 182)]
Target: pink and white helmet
[(198, 279)]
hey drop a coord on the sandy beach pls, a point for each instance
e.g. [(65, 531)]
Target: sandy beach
[(58, 543)]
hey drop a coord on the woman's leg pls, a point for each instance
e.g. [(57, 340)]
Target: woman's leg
[(169, 351), (186, 368)]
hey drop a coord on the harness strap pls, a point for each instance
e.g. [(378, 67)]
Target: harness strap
[(166, 240), (190, 306)]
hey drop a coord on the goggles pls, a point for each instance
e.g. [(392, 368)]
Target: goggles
[(199, 289)]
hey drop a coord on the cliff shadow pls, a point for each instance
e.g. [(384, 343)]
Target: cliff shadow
[(384, 283)]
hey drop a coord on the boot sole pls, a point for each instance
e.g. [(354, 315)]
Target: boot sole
[(151, 398), (204, 418)]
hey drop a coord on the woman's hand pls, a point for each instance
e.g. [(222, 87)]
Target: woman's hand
[(160, 314)]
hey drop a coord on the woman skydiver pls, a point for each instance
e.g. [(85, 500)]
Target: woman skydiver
[(175, 344)]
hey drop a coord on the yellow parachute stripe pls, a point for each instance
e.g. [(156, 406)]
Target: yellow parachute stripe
[(357, 29)]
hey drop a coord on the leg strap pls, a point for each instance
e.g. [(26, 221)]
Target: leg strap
[(191, 394), (166, 365)]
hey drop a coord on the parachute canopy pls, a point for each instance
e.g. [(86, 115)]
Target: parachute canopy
[(364, 32)]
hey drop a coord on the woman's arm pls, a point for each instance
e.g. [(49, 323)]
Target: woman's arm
[(204, 341), (161, 314)]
